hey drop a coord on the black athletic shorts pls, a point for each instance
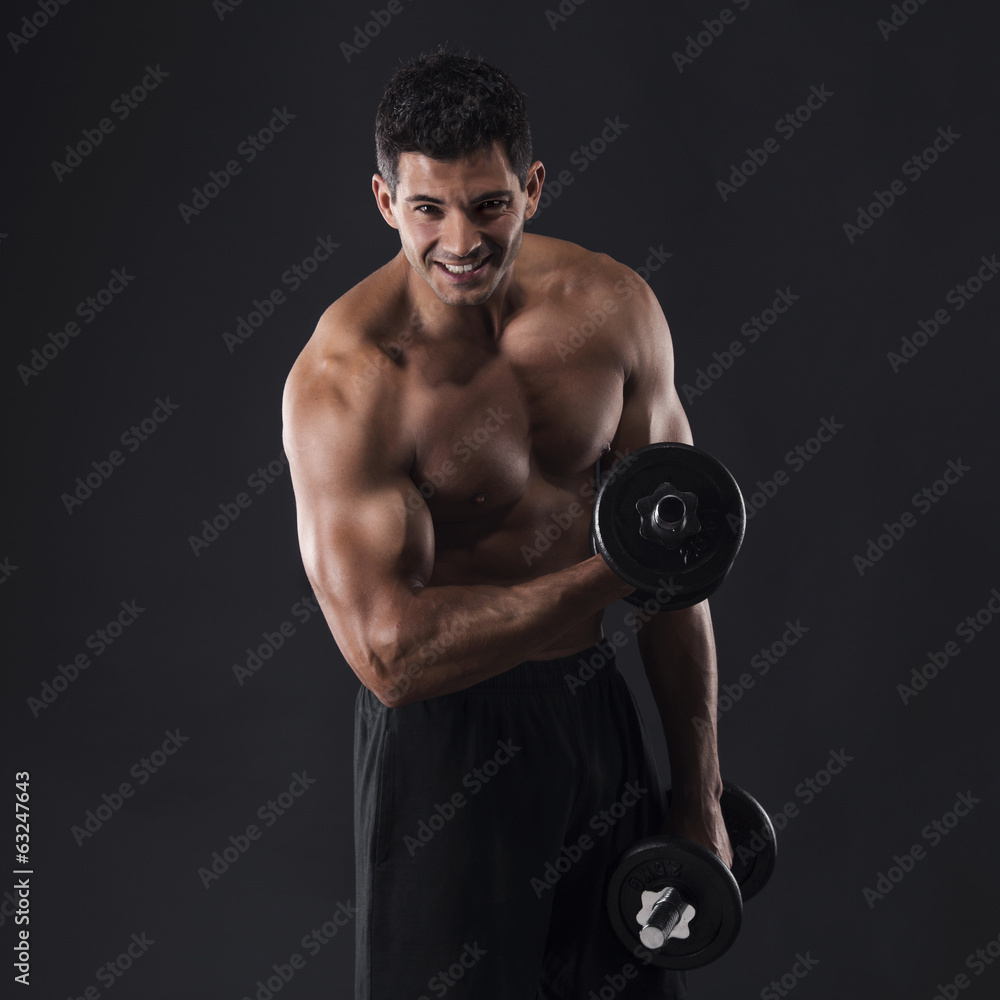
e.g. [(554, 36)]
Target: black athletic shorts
[(486, 824)]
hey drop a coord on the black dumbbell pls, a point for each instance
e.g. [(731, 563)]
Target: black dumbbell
[(669, 519), (678, 900)]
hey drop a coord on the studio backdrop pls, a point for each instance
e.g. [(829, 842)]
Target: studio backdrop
[(809, 189)]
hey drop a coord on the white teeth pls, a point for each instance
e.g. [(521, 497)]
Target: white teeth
[(462, 268)]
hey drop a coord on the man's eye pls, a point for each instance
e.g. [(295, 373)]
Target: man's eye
[(427, 209), (492, 205)]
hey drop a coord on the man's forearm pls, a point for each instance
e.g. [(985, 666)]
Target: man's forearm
[(678, 652), (448, 638)]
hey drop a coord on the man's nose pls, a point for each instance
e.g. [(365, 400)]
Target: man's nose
[(460, 238)]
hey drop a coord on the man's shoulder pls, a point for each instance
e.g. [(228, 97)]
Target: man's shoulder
[(568, 269), (350, 353), (607, 314), (363, 316), (358, 324)]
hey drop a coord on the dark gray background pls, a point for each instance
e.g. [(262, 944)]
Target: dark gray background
[(655, 186)]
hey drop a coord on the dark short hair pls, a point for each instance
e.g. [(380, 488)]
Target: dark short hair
[(446, 106)]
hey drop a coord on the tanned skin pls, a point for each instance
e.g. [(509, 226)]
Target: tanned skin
[(433, 425)]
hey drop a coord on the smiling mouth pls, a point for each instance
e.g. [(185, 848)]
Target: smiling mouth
[(465, 268)]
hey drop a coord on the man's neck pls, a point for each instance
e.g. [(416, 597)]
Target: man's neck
[(440, 321)]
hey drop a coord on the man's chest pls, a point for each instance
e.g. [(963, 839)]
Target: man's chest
[(523, 413)]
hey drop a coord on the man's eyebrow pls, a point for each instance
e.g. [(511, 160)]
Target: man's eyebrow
[(503, 193)]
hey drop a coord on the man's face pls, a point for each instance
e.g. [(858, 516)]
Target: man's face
[(460, 221)]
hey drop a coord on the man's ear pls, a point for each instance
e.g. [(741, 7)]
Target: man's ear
[(383, 198), (533, 187)]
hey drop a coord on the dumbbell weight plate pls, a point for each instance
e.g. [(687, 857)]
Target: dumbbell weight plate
[(693, 568), (752, 836), (705, 882)]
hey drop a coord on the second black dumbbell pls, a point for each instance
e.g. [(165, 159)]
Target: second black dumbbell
[(679, 901)]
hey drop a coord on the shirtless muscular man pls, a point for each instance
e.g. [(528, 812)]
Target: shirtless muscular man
[(436, 421)]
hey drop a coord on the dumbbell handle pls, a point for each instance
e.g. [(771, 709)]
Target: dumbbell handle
[(663, 918)]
